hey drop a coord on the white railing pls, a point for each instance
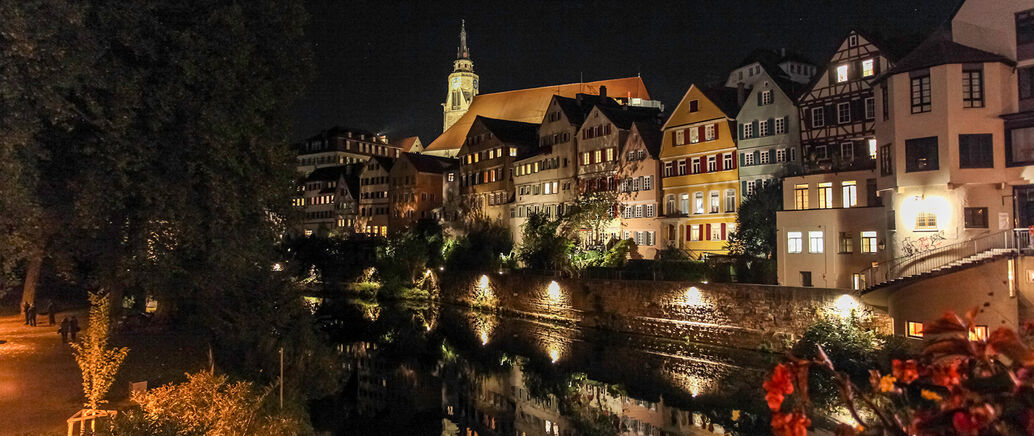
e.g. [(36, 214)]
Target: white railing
[(941, 257)]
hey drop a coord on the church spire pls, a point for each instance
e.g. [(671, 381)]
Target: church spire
[(463, 53)]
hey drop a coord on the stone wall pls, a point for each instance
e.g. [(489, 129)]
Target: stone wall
[(733, 315)]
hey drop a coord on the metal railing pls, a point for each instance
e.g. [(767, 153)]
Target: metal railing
[(945, 256)]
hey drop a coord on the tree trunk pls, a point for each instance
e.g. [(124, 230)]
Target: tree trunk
[(32, 273)]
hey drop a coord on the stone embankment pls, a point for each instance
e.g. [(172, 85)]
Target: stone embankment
[(725, 314)]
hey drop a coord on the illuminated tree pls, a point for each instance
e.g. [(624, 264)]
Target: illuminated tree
[(593, 211), (96, 360)]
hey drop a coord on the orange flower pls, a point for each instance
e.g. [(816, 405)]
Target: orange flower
[(778, 385), (946, 375), (906, 372), (790, 424)]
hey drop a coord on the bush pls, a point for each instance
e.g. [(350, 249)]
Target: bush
[(481, 249), (544, 245)]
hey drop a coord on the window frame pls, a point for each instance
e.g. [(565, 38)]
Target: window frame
[(972, 85), (914, 154), (913, 330), (794, 242), (816, 242), (820, 119), (969, 218), (921, 97), (975, 154), (844, 113)]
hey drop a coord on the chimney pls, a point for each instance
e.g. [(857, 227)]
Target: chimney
[(741, 94), (603, 92)]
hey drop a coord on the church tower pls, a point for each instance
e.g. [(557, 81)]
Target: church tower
[(463, 83)]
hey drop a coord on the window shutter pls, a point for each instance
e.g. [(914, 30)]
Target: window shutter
[(718, 162), (759, 97), (708, 232), (688, 232), (757, 157), (771, 126), (743, 186), (723, 231), (700, 134), (700, 233), (703, 164), (754, 129), (786, 123), (689, 166), (739, 131), (741, 159), (716, 129), (673, 138), (733, 161)]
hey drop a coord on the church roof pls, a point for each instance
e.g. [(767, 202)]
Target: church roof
[(529, 105), (406, 144)]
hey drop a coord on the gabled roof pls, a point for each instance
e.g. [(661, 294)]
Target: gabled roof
[(724, 97), (384, 162), (529, 105), (651, 134), (792, 89), (625, 116), (577, 108), (407, 144), (938, 50), (426, 163), (511, 132)]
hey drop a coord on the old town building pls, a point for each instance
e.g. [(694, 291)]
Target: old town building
[(341, 146), (639, 188), (328, 200), (486, 165), (374, 206), (700, 180), (769, 132), (419, 188), (838, 110), (601, 140)]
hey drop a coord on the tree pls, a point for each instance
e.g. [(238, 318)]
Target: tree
[(96, 360), (755, 233), (545, 243), (593, 211)]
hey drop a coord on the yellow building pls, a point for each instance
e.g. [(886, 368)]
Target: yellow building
[(699, 171)]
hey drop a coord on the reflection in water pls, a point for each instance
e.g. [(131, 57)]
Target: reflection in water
[(484, 374)]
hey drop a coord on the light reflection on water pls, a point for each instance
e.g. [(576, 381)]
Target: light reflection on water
[(471, 372)]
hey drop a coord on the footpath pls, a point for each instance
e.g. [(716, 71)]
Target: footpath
[(40, 385)]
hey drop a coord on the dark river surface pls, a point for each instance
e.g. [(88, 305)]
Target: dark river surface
[(427, 369)]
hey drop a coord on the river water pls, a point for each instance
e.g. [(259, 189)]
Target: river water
[(427, 369)]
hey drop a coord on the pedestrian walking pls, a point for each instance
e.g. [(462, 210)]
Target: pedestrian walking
[(50, 312), (32, 316), (66, 327), (73, 328), (26, 310)]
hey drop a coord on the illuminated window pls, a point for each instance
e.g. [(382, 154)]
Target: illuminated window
[(610, 154), (709, 132), (680, 137), (730, 200), (868, 67), (793, 242), (585, 158), (850, 193), (766, 97), (715, 202), (978, 333), (598, 156), (684, 204), (872, 148), (513, 151), (694, 135), (926, 221), (915, 329), (841, 73), (815, 242), (698, 203), (825, 195), (869, 242), (800, 196), (694, 232)]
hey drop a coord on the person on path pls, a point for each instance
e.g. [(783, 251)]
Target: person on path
[(50, 312), (73, 328), (26, 310), (32, 316), (66, 326)]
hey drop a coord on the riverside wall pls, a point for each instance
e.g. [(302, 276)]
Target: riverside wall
[(724, 314)]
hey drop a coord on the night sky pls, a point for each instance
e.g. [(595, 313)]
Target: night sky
[(382, 65)]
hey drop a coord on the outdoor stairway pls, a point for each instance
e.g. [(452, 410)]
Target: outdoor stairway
[(945, 259)]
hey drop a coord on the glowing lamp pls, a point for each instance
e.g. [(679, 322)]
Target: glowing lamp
[(483, 282), (484, 337), (693, 297), (278, 267), (553, 290), (845, 304), (554, 354)]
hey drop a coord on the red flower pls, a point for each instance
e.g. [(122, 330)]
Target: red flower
[(790, 424), (965, 423), (906, 372), (946, 375), (778, 385)]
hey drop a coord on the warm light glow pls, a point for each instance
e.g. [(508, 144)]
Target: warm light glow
[(693, 296), (554, 290), (483, 282), (278, 267), (845, 305), (484, 337), (937, 205), (554, 354)]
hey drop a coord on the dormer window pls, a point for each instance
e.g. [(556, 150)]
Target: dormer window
[(694, 105), (852, 41), (868, 67)]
